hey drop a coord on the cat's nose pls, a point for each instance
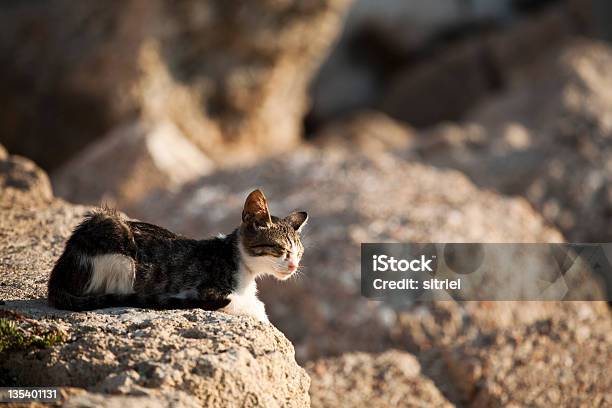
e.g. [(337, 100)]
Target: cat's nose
[(293, 264)]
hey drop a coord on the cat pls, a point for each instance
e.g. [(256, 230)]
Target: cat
[(110, 261)]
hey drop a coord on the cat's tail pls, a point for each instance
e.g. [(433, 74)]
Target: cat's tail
[(67, 301)]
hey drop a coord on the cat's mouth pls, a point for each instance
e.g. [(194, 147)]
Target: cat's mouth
[(284, 275)]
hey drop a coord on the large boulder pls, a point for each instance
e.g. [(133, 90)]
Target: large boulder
[(547, 140), (231, 76), (156, 358)]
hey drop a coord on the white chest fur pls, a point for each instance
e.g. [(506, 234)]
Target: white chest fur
[(244, 299)]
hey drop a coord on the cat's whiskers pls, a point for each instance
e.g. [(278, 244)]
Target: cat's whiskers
[(297, 275)]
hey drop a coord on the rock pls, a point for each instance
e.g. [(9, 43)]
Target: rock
[(404, 58), (529, 365), (512, 51), (216, 358), (381, 38), (460, 347), (33, 228), (430, 92), (157, 358), (369, 132), (122, 168), (351, 199), (392, 378), (22, 182), (231, 76), (574, 84), (426, 93), (547, 140)]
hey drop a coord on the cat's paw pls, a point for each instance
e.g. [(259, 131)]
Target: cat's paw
[(214, 304), (246, 306), (261, 316)]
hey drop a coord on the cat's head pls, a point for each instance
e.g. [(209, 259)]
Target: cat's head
[(271, 245)]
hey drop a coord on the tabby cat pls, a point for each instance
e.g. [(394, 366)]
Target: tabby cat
[(110, 261)]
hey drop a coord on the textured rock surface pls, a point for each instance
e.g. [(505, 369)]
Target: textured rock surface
[(170, 358), (548, 140), (33, 228), (232, 76), (488, 353), (561, 360), (22, 182), (122, 168), (392, 378), (217, 358)]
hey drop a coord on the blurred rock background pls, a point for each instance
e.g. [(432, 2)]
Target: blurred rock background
[(387, 120)]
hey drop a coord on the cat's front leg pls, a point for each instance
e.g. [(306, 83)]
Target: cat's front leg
[(259, 311), (241, 305)]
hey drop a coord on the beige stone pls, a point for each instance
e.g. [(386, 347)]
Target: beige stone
[(130, 163)]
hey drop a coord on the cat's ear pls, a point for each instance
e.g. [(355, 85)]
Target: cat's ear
[(256, 209), (297, 219)]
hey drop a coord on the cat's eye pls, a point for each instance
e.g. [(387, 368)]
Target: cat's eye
[(272, 248), (266, 246)]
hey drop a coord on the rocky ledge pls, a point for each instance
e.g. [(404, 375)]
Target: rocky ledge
[(149, 358), (213, 357)]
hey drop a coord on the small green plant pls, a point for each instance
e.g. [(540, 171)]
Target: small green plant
[(14, 337)]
